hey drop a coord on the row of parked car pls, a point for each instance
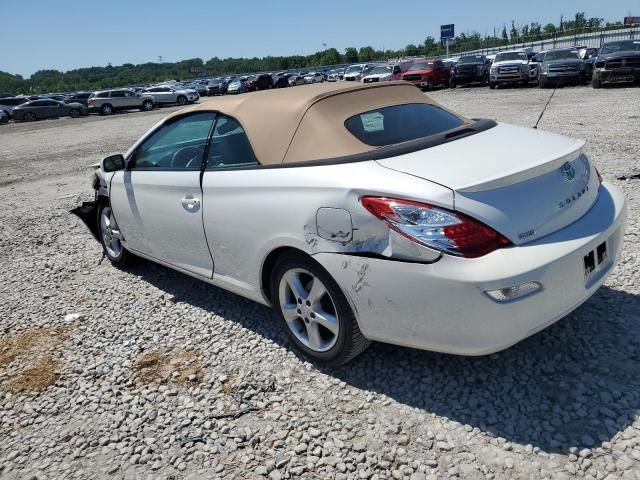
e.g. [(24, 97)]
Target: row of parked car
[(103, 102), (614, 62)]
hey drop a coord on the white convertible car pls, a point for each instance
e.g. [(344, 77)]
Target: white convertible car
[(367, 212)]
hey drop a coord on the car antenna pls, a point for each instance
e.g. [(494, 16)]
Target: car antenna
[(547, 104)]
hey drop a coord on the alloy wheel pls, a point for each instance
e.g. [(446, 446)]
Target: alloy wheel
[(29, 117), (111, 236), (308, 309), (74, 113)]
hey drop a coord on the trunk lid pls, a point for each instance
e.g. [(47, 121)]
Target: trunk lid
[(524, 183)]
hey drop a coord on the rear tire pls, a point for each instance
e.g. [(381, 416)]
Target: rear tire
[(110, 237), (74, 113), (295, 282), (106, 109)]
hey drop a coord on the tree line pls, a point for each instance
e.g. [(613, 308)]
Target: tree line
[(94, 78)]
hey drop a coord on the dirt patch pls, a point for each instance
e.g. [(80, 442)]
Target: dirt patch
[(26, 342), (37, 378), (182, 367)]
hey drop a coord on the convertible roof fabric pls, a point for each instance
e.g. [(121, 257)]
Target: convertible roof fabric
[(307, 123)]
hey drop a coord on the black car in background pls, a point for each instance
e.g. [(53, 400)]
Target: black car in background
[(470, 69), (261, 81), (80, 97), (217, 86), (48, 108), (280, 80), (562, 66), (617, 62)]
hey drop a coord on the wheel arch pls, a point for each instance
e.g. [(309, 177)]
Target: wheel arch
[(269, 263)]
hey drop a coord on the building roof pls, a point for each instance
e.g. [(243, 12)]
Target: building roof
[(307, 122)]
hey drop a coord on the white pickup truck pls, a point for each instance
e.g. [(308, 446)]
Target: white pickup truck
[(512, 67)]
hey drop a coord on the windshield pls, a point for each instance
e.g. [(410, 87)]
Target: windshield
[(378, 70), (471, 59), (625, 46), (401, 123), (501, 57), (354, 68), (421, 66), (561, 54)]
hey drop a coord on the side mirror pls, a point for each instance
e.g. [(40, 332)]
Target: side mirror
[(112, 163)]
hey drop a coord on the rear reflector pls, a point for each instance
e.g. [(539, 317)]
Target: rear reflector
[(509, 294)]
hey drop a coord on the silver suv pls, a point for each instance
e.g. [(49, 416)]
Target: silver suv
[(106, 102), (164, 94)]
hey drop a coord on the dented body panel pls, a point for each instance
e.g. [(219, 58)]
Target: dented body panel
[(442, 306)]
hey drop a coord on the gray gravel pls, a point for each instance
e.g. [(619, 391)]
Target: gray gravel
[(156, 375)]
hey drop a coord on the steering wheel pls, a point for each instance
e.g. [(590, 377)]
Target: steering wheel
[(186, 157)]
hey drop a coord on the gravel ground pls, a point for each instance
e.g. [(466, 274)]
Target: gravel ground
[(147, 373)]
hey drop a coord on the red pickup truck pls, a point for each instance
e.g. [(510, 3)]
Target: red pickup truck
[(426, 74)]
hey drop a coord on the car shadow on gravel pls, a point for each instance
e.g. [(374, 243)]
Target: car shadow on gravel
[(575, 384)]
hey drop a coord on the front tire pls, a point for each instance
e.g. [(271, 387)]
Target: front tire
[(111, 237), (182, 100), (595, 81), (492, 85), (74, 113), (29, 117), (315, 313), (147, 106)]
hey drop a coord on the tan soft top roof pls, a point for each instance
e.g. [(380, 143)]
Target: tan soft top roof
[(307, 122)]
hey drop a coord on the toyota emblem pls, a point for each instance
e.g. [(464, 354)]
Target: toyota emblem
[(568, 172)]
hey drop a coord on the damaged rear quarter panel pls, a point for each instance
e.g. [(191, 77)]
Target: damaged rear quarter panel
[(248, 214)]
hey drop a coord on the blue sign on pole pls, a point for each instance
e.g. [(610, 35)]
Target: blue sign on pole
[(447, 31)]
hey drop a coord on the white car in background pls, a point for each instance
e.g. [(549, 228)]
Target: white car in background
[(354, 73), (313, 77), (165, 95), (367, 212), (511, 67), (383, 73)]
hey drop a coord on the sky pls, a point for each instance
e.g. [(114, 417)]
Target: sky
[(68, 34)]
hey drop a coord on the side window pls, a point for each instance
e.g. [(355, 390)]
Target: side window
[(129, 94), (180, 145), (117, 93), (230, 146)]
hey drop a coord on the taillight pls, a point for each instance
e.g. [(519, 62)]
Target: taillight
[(435, 227)]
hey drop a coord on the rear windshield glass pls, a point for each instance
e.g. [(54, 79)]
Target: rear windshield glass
[(400, 123)]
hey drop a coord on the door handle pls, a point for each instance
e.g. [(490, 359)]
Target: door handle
[(190, 203)]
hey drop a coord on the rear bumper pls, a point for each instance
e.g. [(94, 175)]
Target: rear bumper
[(443, 307)]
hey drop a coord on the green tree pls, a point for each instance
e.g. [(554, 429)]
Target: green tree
[(350, 55), (366, 54), (430, 45), (515, 37), (505, 36)]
